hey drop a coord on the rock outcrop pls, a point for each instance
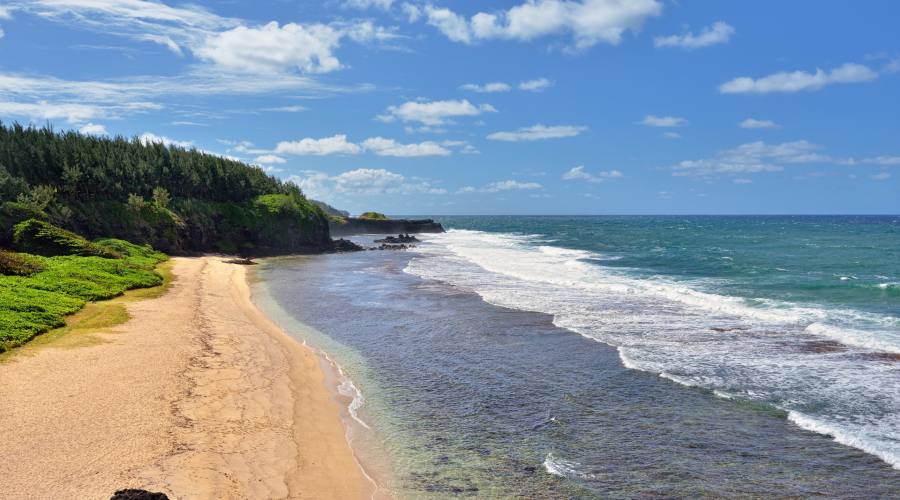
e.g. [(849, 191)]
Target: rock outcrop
[(353, 225)]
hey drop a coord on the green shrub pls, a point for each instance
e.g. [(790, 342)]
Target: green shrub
[(31, 305), (143, 256), (42, 238), (373, 216), (19, 264)]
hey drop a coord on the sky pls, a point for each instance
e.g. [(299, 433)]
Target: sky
[(490, 107)]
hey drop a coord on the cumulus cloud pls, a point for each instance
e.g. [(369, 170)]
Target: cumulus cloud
[(579, 173), (390, 147), (272, 48), (536, 85), (754, 157), (93, 129), (719, 32), (538, 132), (339, 145), (362, 181), (496, 187), (881, 176), (663, 121), (269, 159), (797, 81), (151, 138), (587, 21), (433, 113), (754, 123), (336, 144), (487, 87)]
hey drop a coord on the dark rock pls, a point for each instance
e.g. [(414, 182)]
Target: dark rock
[(400, 238), (243, 261), (342, 245), (133, 494), (354, 225)]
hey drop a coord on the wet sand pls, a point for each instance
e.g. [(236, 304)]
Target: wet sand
[(198, 395)]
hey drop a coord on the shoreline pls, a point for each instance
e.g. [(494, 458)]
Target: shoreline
[(197, 395)]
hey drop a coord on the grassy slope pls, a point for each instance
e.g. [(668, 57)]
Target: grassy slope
[(31, 305)]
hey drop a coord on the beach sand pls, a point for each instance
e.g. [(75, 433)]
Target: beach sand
[(198, 395)]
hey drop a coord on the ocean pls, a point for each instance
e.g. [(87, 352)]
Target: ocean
[(586, 357)]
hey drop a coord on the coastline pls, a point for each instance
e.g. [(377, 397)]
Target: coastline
[(197, 395)]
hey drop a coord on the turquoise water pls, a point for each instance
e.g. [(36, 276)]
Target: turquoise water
[(620, 356)]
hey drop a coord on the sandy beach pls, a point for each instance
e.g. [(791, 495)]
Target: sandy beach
[(198, 395)]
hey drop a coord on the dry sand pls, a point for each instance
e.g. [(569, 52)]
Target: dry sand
[(198, 395)]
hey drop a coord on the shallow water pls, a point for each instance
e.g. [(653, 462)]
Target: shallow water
[(469, 398)]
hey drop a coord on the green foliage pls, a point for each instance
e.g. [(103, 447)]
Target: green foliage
[(374, 216), (42, 238), (161, 197), (33, 304), (37, 198), (174, 199), (337, 219), (20, 264), (136, 203), (143, 256)]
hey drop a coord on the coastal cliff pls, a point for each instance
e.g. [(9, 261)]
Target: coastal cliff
[(357, 225)]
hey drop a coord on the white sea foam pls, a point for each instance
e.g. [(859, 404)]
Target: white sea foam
[(563, 468), (748, 349), (847, 437), (878, 341)]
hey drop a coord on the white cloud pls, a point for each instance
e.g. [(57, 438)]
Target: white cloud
[(269, 159), (663, 121), (588, 21), (797, 81), (228, 43), (272, 48), (538, 132), (719, 32), (881, 176), (487, 87), (742, 180), (286, 109), (390, 147), (671, 135), (536, 85), (754, 157), (151, 138), (93, 129), (433, 112), (336, 144), (496, 187), (883, 160), (362, 181), (43, 110), (413, 12), (754, 123), (5, 13), (366, 4), (579, 173)]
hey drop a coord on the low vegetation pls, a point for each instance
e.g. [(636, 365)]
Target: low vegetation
[(37, 292), (374, 216)]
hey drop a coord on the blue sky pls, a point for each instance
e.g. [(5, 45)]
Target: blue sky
[(514, 107)]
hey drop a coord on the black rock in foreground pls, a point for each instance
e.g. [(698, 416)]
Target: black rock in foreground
[(132, 494)]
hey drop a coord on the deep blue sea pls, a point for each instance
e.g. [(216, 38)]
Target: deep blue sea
[(564, 357)]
